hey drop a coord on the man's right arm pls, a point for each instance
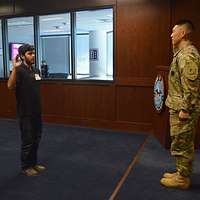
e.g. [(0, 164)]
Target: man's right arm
[(12, 79), (13, 76)]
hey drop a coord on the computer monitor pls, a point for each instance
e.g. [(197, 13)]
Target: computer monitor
[(13, 49)]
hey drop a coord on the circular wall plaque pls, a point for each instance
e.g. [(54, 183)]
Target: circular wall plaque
[(158, 93)]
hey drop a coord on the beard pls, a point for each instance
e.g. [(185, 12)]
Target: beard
[(30, 62)]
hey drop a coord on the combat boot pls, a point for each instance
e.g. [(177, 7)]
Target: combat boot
[(39, 168), (177, 181), (169, 175)]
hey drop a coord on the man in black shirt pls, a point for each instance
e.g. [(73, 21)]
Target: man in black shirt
[(26, 81)]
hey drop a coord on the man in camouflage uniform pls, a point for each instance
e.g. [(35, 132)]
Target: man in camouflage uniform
[(183, 101)]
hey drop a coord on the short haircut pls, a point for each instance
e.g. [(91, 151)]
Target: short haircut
[(187, 23), (24, 48)]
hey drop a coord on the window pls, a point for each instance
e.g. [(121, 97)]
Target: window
[(20, 31), (1, 53), (94, 44), (75, 45), (55, 46)]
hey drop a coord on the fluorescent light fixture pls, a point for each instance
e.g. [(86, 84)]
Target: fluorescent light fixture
[(53, 30), (51, 19), (18, 23)]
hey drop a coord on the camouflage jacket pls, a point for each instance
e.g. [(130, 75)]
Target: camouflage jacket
[(184, 80)]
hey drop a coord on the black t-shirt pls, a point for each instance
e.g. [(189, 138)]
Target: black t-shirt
[(28, 91)]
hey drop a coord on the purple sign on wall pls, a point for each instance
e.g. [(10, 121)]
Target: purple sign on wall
[(14, 49)]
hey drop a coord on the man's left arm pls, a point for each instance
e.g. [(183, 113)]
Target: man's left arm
[(190, 84)]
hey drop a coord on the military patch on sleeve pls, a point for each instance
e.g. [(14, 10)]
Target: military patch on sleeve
[(191, 71)]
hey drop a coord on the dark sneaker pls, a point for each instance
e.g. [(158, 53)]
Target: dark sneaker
[(30, 172)]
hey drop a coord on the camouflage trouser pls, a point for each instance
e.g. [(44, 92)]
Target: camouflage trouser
[(182, 146)]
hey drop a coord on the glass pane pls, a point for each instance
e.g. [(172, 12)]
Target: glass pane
[(94, 50), (20, 31), (82, 54), (55, 45), (109, 69), (1, 53)]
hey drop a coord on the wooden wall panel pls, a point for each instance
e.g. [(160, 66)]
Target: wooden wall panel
[(7, 101), (52, 98), (143, 28), (6, 7), (89, 102), (134, 104), (47, 6)]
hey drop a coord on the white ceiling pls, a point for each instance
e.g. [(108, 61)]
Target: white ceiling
[(60, 23)]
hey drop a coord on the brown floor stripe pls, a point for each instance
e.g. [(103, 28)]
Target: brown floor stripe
[(134, 161)]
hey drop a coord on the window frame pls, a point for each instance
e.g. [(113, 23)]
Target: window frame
[(36, 25)]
